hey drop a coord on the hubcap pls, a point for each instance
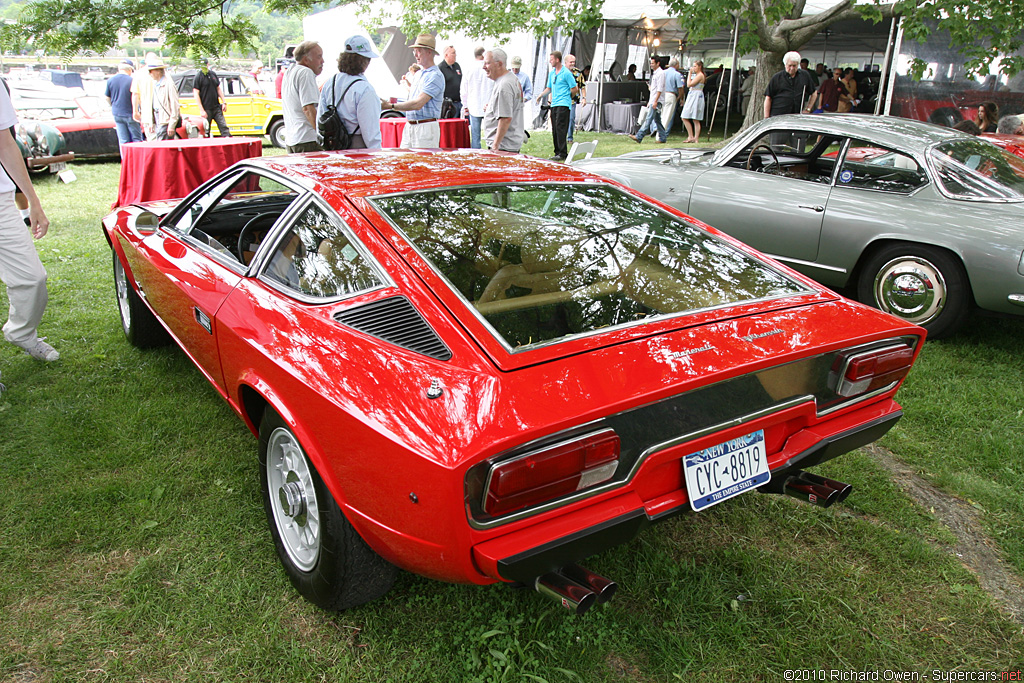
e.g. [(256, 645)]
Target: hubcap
[(121, 285), (293, 499), (911, 288)]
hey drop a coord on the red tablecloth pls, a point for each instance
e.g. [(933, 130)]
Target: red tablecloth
[(454, 132), (169, 169)]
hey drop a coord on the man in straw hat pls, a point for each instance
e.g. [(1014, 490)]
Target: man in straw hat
[(143, 86), (166, 110), (423, 108)]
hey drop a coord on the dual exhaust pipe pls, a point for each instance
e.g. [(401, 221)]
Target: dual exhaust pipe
[(576, 588), (808, 487)]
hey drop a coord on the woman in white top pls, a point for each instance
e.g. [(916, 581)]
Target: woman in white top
[(693, 108)]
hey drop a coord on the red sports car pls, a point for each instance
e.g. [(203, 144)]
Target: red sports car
[(482, 367)]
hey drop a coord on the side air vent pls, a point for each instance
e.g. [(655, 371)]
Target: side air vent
[(396, 321)]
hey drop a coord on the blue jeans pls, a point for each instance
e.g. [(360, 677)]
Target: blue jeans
[(654, 114), (128, 130), (474, 131), (572, 122)]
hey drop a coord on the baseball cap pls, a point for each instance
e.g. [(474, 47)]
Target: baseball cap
[(360, 45), (516, 63)]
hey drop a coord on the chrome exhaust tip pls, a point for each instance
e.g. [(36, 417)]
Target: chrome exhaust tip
[(816, 490), (576, 588), (570, 594), (603, 588)]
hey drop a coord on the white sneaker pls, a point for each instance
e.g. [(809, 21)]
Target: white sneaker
[(39, 349)]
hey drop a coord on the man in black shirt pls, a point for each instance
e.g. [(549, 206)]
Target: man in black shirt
[(789, 89), (452, 78), (210, 98)]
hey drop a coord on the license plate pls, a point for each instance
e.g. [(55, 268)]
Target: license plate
[(726, 470), (58, 167)]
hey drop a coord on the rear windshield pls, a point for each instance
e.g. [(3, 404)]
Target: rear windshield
[(976, 169), (551, 262)]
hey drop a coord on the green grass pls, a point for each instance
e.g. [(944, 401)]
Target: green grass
[(134, 547)]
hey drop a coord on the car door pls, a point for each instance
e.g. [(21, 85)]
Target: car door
[(189, 266), (776, 208), (876, 195)]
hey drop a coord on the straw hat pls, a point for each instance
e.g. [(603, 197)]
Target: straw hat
[(425, 40)]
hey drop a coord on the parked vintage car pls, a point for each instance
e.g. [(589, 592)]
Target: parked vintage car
[(246, 114), (482, 367), (42, 146), (925, 225)]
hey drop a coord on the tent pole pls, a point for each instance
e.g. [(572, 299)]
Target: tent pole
[(732, 75), (600, 77), (891, 53)]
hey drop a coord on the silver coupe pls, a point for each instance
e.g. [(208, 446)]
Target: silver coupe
[(925, 222)]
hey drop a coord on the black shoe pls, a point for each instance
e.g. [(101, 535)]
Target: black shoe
[(558, 157)]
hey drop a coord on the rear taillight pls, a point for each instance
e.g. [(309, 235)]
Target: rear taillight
[(551, 472), (861, 372)]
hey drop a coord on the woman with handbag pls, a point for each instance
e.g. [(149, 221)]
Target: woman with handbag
[(357, 104)]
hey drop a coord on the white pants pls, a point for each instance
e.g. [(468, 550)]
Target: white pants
[(668, 109), (22, 272), (421, 135)]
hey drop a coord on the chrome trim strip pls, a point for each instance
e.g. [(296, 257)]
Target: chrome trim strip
[(855, 399), (809, 264), (1016, 299), (729, 424)]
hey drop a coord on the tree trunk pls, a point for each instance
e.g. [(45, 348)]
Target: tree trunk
[(768, 64)]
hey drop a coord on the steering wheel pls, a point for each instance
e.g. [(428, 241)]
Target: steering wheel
[(763, 169), (245, 238)]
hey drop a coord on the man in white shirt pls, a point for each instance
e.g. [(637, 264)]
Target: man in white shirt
[(20, 268), (503, 120), (476, 91), (654, 104), (300, 96)]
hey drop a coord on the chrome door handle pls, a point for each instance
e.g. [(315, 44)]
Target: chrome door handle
[(817, 207)]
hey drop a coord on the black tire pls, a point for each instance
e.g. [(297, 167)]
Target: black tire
[(325, 559), (276, 133), (919, 283), (140, 326), (946, 116)]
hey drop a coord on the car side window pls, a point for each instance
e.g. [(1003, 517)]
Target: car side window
[(870, 167), (232, 86), (319, 258), (799, 154), (233, 217), (185, 86)]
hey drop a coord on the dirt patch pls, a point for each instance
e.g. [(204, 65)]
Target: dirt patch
[(23, 673), (973, 546)]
